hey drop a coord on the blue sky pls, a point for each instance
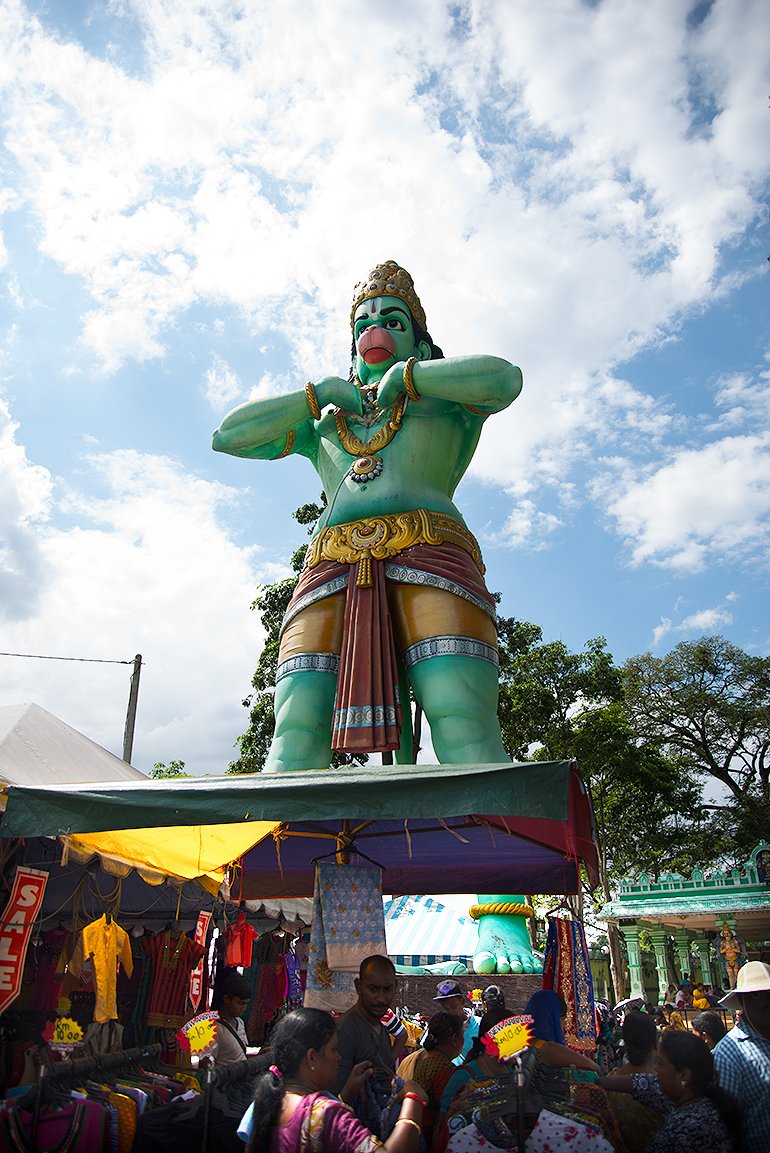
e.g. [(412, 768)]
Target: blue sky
[(188, 194)]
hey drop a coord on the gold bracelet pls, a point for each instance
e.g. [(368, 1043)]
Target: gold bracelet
[(409, 388), (312, 401), (409, 1121), (291, 436)]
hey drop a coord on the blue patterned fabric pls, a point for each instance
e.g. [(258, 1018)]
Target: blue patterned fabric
[(348, 925)]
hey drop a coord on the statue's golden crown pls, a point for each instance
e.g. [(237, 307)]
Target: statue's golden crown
[(389, 279)]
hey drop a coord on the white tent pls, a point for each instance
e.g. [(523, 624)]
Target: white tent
[(36, 748), (423, 931)]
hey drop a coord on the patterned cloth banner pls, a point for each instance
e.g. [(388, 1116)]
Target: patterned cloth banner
[(196, 977), (567, 970), (348, 925), (16, 930)]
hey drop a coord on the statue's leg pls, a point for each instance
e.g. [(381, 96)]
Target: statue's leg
[(303, 705), (504, 944), (305, 688), (449, 648), (458, 695)]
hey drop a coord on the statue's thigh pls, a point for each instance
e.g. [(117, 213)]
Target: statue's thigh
[(420, 613), (317, 629)]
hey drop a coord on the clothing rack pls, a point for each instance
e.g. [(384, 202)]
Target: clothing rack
[(79, 1070), (228, 1075)]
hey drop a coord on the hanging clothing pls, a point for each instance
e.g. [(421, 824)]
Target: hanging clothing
[(172, 961), (240, 939), (78, 1128), (107, 946), (567, 971), (348, 925)]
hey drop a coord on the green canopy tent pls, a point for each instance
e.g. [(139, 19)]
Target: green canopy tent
[(433, 828)]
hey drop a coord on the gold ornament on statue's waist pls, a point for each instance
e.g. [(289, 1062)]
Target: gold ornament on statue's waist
[(380, 537)]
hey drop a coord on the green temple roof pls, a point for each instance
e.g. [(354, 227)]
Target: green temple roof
[(700, 901)]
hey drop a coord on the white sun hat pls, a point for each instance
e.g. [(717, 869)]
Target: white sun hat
[(753, 977)]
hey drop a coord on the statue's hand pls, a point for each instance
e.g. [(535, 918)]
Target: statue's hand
[(343, 393), (391, 385)]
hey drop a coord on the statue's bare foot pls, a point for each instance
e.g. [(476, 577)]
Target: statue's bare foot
[(505, 961), (504, 944)]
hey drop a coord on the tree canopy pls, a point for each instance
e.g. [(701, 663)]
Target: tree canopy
[(710, 702)]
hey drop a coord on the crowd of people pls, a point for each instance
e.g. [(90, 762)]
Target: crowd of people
[(344, 1086)]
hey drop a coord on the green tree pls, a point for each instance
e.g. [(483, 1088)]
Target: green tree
[(556, 704), (707, 704), (163, 771), (543, 684)]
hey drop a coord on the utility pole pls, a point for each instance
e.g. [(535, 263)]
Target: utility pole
[(133, 697)]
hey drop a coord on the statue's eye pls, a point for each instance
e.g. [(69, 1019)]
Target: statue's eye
[(393, 323)]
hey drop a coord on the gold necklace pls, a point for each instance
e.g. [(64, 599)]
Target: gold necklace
[(367, 466)]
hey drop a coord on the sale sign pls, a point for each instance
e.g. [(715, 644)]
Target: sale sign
[(196, 977), (66, 1034), (509, 1037), (199, 1035), (16, 929)]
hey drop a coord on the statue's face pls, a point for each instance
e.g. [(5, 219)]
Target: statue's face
[(384, 334)]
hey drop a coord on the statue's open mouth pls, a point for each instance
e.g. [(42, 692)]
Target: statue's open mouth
[(375, 345)]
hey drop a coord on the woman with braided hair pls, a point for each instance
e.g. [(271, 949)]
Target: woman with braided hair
[(293, 1109)]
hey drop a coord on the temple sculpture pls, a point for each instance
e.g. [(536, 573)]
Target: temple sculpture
[(392, 594)]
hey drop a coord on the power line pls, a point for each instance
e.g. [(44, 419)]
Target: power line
[(87, 660)]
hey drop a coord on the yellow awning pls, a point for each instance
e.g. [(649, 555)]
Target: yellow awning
[(186, 852)]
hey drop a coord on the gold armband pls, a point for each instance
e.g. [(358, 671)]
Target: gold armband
[(409, 388), (291, 436), (409, 1121), (312, 401), (503, 908)]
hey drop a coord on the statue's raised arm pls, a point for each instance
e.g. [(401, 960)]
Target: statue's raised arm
[(272, 428), (392, 594)]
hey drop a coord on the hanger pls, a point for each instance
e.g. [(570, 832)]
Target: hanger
[(352, 849)]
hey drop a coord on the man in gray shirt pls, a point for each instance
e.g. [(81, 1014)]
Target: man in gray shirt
[(361, 1036)]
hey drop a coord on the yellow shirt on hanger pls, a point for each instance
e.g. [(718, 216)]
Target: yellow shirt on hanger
[(108, 946)]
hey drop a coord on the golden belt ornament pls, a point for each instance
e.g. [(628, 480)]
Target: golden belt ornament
[(360, 542)]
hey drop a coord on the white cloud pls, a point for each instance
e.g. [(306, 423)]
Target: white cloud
[(743, 400), (527, 526), (222, 385), (706, 620), (713, 501), (25, 500), (147, 567), (249, 163)]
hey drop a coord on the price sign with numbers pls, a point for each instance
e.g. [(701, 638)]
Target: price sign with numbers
[(66, 1034), (199, 1035), (509, 1037)]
